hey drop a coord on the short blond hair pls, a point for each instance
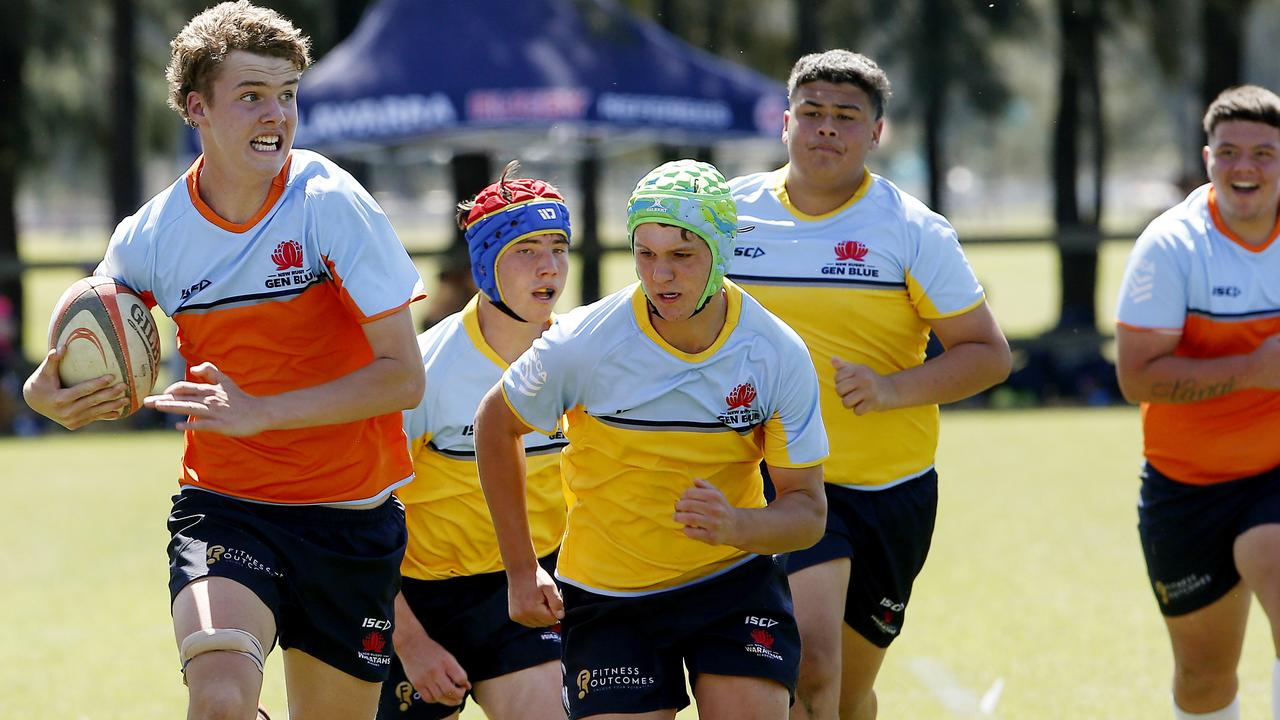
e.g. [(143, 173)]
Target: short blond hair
[(200, 48)]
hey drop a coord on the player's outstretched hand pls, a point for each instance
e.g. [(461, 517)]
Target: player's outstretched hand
[(706, 514), (434, 671), (214, 404), (535, 604), (862, 389), (78, 405)]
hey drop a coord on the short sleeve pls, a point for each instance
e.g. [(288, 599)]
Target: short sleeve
[(126, 261), (544, 382), (1153, 292), (794, 434), (940, 281), (362, 252)]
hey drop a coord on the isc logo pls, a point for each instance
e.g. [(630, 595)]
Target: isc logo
[(547, 213), (761, 621), (376, 624), (748, 251)]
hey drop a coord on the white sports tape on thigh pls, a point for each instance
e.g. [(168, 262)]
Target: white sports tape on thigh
[(221, 639)]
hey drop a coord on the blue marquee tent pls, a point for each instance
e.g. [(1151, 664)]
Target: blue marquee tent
[(421, 69)]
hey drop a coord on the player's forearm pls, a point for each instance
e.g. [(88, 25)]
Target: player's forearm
[(795, 520), (500, 461), (961, 371), (385, 385), (408, 633), (1172, 379)]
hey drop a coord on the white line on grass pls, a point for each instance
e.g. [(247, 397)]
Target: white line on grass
[(959, 700)]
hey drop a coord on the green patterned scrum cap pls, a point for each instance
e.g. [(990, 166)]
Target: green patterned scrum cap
[(695, 196)]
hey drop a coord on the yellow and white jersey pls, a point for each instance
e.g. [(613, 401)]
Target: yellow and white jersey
[(858, 283), (644, 419), (450, 530)]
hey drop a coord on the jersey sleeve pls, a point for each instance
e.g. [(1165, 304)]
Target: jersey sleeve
[(794, 435), (940, 281), (127, 261), (1153, 292), (362, 252), (545, 381)]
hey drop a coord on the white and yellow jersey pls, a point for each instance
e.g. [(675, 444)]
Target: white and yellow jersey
[(450, 530), (644, 419), (858, 283)]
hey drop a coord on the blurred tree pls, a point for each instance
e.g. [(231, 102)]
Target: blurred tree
[(14, 17), (123, 169), (809, 23), (1222, 42), (1079, 112), (948, 48)]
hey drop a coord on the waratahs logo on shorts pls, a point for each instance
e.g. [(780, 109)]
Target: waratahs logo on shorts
[(740, 414), (373, 649), (762, 644), (849, 261), (291, 266)]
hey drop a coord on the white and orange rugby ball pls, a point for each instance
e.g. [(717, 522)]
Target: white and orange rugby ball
[(106, 329)]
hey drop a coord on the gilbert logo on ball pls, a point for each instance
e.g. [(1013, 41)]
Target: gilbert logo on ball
[(106, 329)]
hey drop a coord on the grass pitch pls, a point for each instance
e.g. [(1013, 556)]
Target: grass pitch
[(1034, 602)]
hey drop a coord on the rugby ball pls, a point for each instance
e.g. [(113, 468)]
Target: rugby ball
[(106, 329)]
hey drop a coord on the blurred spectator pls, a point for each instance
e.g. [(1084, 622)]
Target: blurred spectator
[(454, 290)]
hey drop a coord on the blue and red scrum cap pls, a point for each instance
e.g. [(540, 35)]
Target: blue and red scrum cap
[(505, 213)]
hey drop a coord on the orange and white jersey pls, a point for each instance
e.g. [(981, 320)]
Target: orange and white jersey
[(1190, 276), (860, 283), (277, 303), (450, 530)]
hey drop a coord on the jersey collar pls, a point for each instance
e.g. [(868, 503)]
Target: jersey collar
[(780, 192), (733, 312)]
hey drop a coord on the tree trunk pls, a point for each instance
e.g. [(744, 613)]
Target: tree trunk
[(1077, 237), (934, 88), (586, 227), (1222, 42), (13, 37), (124, 177), (808, 26), (471, 173)]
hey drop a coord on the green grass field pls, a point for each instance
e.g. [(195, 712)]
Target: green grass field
[(1033, 605)]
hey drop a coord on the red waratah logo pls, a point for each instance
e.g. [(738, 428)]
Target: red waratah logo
[(762, 638), (741, 396), (288, 254), (373, 642), (851, 250)]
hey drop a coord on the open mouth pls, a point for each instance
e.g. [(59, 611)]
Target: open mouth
[(265, 143), (545, 293), (1244, 187)]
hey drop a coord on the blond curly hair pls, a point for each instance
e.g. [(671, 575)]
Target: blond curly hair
[(200, 48)]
